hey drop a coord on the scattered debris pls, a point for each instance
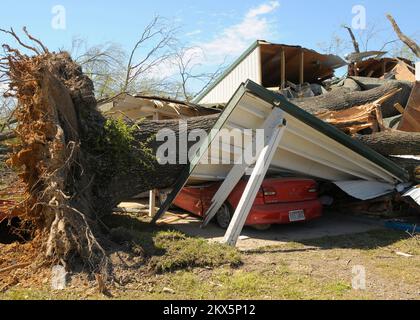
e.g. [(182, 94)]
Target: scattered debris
[(385, 68), (410, 121), (168, 290), (406, 255), (77, 164)]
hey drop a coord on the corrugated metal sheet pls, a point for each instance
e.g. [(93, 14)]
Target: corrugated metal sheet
[(249, 68), (365, 190), (414, 193)]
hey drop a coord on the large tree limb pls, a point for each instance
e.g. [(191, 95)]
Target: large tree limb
[(353, 39), (404, 38), (393, 142), (412, 166), (341, 99)]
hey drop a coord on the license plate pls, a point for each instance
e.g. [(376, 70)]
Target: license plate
[(297, 215)]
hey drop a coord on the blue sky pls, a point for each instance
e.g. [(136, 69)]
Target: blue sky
[(223, 28)]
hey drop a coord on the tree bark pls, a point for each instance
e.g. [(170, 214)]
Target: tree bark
[(367, 83), (341, 99), (353, 39), (7, 136), (412, 166), (393, 142)]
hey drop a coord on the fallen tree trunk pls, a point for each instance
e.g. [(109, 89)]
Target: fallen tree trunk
[(392, 142), (412, 166), (370, 83), (341, 99)]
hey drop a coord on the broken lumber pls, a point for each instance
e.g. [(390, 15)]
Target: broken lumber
[(411, 117), (356, 119)]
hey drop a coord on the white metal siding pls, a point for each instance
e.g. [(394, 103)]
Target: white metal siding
[(249, 68)]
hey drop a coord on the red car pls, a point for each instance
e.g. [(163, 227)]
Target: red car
[(279, 201)]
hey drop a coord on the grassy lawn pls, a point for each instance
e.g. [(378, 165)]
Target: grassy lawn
[(180, 267)]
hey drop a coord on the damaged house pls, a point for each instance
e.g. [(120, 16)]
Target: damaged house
[(273, 66)]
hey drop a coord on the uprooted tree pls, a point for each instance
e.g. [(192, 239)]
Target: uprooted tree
[(76, 164)]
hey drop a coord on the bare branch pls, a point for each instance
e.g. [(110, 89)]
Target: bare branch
[(353, 38), (154, 30), (14, 35), (187, 60), (35, 40), (409, 42)]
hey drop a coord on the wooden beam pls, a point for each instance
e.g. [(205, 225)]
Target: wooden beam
[(252, 188), (153, 193), (413, 122), (384, 67), (399, 108), (152, 202), (302, 68), (283, 69)]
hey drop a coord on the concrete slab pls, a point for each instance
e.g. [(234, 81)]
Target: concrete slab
[(331, 224)]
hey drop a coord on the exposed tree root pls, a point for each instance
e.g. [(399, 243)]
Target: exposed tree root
[(50, 90)]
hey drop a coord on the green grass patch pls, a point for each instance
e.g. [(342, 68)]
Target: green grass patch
[(170, 250), (185, 252)]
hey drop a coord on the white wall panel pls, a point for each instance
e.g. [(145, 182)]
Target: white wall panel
[(249, 68)]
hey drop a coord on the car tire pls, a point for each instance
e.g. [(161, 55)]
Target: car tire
[(223, 217), (262, 227)]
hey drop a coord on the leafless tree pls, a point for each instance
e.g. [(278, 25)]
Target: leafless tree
[(187, 61), (104, 64), (151, 50), (114, 71), (336, 45)]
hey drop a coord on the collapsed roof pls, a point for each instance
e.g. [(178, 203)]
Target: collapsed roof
[(149, 107), (316, 67), (308, 146)]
